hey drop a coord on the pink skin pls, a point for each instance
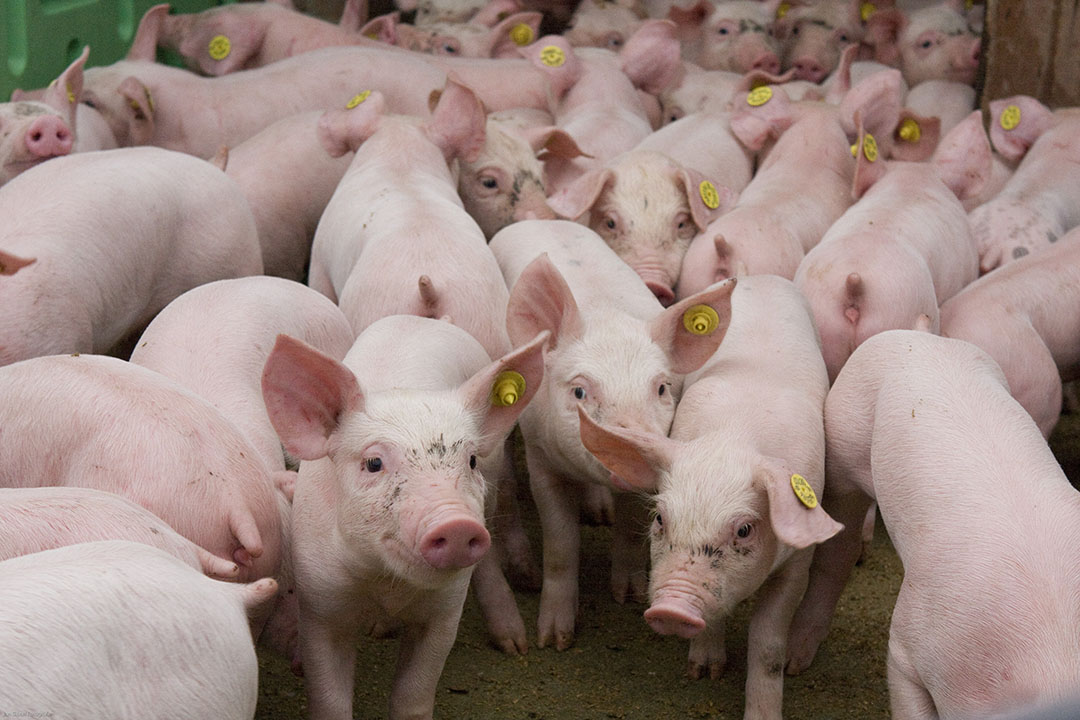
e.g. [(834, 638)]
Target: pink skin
[(1039, 202), (800, 189), (183, 223), (896, 255), (618, 353), (161, 633), (647, 208), (447, 268), (389, 490), (605, 24), (36, 519), (814, 36), (970, 472), (1018, 315), (604, 112), (728, 525), (35, 130), (732, 35), (931, 43), (480, 12), (704, 142), (697, 90), (465, 40)]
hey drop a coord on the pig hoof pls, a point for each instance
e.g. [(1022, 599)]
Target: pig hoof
[(511, 646), (563, 640)]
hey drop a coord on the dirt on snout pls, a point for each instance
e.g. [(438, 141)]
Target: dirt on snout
[(619, 668)]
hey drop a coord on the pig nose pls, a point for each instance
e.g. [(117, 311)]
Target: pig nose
[(809, 69), (767, 62), (455, 543), (662, 292), (48, 136), (671, 619)]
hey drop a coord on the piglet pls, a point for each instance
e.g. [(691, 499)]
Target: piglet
[(118, 629), (929, 43), (618, 352), (460, 39), (813, 36), (388, 516), (1041, 200), (736, 511), (732, 35), (605, 24), (981, 515)]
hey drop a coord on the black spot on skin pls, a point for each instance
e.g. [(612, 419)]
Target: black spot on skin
[(774, 669), (155, 531), (26, 110), (1019, 252), (1051, 236)]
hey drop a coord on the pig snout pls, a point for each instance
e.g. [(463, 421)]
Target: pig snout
[(809, 68), (457, 541), (662, 291), (674, 616), (768, 62), (48, 136)]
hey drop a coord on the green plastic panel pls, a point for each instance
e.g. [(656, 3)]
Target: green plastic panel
[(39, 38)]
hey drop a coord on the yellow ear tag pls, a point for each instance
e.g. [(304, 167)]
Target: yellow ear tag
[(521, 34), (373, 35), (552, 56), (149, 99), (219, 47), (803, 491), (709, 195), (782, 10), (357, 99), (869, 147), (910, 131), (701, 320), (866, 10), (508, 388), (759, 96), (1010, 117), (70, 94)]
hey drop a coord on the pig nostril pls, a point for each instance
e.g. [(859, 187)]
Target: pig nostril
[(36, 137)]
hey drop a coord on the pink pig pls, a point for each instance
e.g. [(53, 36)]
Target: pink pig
[(1041, 200), (607, 23), (732, 35), (617, 351), (729, 520), (1022, 316), (121, 629), (981, 515), (83, 274), (389, 509), (462, 39), (930, 43), (815, 34), (896, 254), (36, 519)]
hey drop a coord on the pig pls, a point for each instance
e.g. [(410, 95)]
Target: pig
[(617, 351), (36, 519), (896, 254), (605, 23), (697, 90), (925, 426), (234, 37), (731, 35), (1023, 316), (481, 12), (730, 520), (389, 509), (83, 275), (463, 39), (33, 131), (647, 207), (930, 43), (802, 186), (446, 267), (814, 35), (1040, 201), (118, 629), (704, 142)]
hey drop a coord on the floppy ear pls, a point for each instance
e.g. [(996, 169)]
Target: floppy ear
[(515, 31), (869, 162), (342, 131), (1016, 123), (140, 110), (541, 300), (636, 458), (707, 200), (554, 141), (755, 123), (651, 57), (690, 331), (11, 264), (794, 522), (963, 159), (581, 195), (916, 137), (382, 28), (458, 125)]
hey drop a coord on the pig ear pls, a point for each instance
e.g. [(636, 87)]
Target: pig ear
[(690, 331), (794, 523), (353, 15), (758, 78), (840, 83), (1016, 123), (382, 28), (495, 11), (636, 458), (458, 125), (876, 99), (690, 17), (11, 264), (554, 141), (342, 131), (65, 92), (707, 200), (577, 198), (651, 56), (306, 394), (963, 159), (217, 45), (755, 125), (515, 31), (503, 389), (141, 110), (869, 162), (883, 31), (144, 44), (916, 137), (541, 300), (555, 58)]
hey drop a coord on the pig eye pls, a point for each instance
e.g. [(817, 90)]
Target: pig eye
[(614, 41), (659, 522), (723, 31), (843, 37), (373, 464), (610, 223), (90, 103), (744, 530), (489, 182), (795, 30), (579, 392), (926, 44), (662, 389), (472, 462)]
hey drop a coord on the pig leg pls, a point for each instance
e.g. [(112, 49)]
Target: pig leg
[(515, 552), (767, 640), (329, 656), (707, 653), (868, 533), (557, 503), (598, 506), (496, 601), (629, 549), (908, 697), (421, 658)]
